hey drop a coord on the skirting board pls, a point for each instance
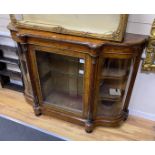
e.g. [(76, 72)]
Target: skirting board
[(142, 114)]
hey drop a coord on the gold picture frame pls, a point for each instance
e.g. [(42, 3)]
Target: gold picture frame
[(149, 61), (115, 35)]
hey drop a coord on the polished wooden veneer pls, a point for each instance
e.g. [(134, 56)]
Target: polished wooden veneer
[(109, 69)]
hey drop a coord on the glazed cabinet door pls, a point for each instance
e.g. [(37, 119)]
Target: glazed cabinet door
[(113, 82), (61, 76)]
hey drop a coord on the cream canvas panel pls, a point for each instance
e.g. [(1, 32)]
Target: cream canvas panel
[(93, 23)]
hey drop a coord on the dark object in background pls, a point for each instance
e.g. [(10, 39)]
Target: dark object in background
[(10, 73)]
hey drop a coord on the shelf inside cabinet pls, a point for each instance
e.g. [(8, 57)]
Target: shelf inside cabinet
[(106, 96), (48, 75), (115, 74), (65, 100), (74, 75)]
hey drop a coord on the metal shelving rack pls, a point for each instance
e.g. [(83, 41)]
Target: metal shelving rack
[(10, 74)]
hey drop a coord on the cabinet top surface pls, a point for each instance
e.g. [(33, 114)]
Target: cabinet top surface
[(129, 39)]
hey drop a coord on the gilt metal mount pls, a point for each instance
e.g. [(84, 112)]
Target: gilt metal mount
[(149, 61)]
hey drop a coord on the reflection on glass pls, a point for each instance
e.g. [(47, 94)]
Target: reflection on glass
[(61, 79), (113, 81)]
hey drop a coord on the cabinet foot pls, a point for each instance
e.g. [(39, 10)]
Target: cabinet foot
[(126, 114), (37, 111), (89, 127)]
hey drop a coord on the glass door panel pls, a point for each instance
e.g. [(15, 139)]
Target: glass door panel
[(113, 82), (61, 79)]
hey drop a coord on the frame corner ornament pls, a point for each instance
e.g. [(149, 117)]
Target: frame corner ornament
[(118, 34), (149, 61)]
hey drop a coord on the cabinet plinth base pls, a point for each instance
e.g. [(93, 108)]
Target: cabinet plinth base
[(89, 125)]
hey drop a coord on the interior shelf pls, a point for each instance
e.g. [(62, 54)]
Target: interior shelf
[(106, 96), (113, 80), (48, 75), (64, 100), (57, 73), (113, 73)]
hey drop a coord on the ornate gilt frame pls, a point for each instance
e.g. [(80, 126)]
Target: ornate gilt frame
[(117, 35), (149, 61)]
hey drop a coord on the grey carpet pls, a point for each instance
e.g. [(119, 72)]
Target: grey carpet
[(13, 130)]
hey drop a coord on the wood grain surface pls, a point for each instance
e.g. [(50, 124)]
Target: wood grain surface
[(13, 104)]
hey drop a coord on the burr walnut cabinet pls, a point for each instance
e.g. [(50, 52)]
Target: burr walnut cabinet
[(81, 80)]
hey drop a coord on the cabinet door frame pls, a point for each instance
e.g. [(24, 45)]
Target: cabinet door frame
[(101, 60), (32, 52)]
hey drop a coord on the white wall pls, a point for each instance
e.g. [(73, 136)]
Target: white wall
[(142, 102), (143, 97), (4, 21)]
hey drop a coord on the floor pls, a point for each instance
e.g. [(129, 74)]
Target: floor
[(13, 104)]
